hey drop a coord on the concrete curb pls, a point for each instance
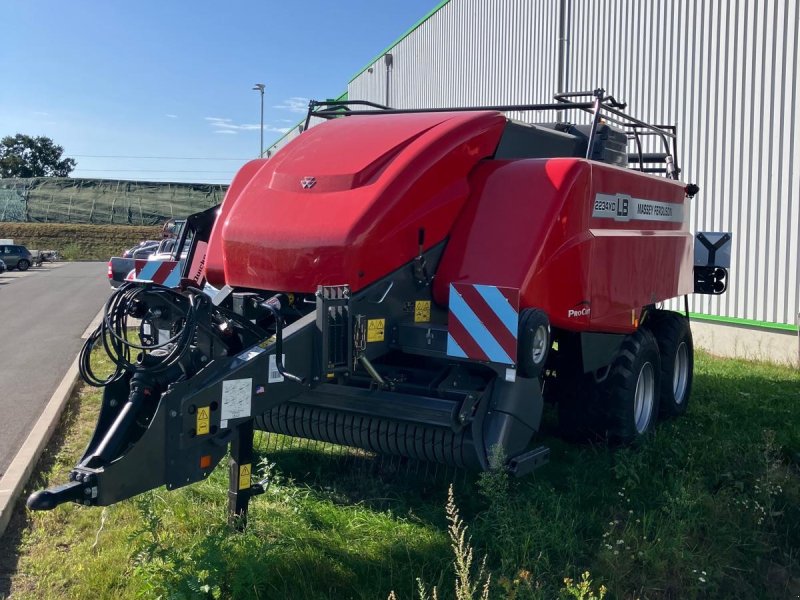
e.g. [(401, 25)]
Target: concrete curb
[(19, 471), (16, 476)]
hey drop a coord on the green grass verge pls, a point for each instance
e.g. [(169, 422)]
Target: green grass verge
[(78, 242), (709, 507)]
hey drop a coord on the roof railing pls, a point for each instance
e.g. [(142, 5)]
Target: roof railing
[(602, 108)]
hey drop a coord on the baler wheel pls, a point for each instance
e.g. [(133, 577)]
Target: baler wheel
[(630, 394), (534, 342), (674, 337)]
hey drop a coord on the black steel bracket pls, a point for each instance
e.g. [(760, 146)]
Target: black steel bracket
[(335, 327)]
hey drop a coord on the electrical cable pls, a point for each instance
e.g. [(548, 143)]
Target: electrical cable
[(113, 332)]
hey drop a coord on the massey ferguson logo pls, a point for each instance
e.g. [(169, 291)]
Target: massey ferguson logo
[(308, 182), (581, 309)]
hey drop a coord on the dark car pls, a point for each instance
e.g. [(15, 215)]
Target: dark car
[(16, 257), (143, 250)]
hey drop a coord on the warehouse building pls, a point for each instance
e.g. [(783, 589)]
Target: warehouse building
[(725, 72)]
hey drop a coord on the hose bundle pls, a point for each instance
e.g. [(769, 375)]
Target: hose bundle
[(113, 331)]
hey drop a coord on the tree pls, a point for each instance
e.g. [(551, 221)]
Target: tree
[(26, 156)]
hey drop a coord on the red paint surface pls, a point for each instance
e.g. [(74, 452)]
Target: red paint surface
[(465, 340), (378, 181), (523, 224), (529, 225)]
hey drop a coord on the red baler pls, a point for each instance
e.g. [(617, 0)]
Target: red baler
[(411, 282)]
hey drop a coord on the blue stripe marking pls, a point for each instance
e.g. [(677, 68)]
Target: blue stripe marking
[(501, 307), (453, 349), (174, 277), (147, 272), (476, 329)]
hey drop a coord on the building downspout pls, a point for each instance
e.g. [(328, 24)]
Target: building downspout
[(389, 60), (563, 49)]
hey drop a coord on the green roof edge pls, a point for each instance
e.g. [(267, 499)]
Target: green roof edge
[(411, 30), (342, 96), (746, 322)]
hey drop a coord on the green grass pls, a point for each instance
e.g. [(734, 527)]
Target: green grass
[(709, 507), (78, 242)]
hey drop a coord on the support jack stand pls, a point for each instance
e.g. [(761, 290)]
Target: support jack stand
[(240, 473)]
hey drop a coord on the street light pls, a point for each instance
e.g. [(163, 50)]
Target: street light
[(260, 88)]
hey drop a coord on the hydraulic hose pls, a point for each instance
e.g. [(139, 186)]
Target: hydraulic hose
[(113, 332)]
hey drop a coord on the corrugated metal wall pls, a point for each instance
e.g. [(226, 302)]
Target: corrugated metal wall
[(725, 71), (290, 135), (471, 52)]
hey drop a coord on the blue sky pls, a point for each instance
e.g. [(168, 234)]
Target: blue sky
[(173, 78)]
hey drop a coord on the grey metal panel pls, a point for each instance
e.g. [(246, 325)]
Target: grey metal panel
[(471, 52), (292, 133), (725, 71)]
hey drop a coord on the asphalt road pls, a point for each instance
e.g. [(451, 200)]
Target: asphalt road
[(43, 313)]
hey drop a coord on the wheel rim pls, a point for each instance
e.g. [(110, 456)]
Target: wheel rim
[(680, 373), (539, 344), (644, 397)]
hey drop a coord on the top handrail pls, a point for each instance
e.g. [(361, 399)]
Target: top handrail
[(602, 107)]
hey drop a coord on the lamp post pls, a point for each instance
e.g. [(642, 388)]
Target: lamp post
[(260, 88)]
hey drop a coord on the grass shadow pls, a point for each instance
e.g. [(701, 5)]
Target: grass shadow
[(352, 476), (707, 507), (13, 537)]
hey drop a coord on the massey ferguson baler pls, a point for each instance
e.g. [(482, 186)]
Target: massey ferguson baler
[(410, 282)]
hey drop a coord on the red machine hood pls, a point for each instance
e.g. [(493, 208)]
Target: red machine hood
[(343, 202)]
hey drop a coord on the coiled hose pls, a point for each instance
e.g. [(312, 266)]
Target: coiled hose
[(113, 331)]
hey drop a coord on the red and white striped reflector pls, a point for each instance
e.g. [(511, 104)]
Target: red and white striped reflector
[(483, 323), (164, 272)]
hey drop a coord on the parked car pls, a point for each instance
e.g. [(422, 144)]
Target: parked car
[(142, 250), (16, 257), (119, 267), (2, 267)]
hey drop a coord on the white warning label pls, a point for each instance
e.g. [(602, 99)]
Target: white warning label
[(237, 395), (274, 375)]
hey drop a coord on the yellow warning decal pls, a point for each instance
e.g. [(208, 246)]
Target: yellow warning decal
[(203, 420), (422, 311), (244, 476), (376, 330)]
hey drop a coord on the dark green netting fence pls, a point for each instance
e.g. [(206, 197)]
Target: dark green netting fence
[(68, 200)]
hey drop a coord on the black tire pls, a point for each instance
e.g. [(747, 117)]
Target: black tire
[(674, 337), (635, 371), (534, 342), (23, 265)]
